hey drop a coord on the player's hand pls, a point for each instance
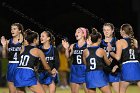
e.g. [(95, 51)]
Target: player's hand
[(115, 68), (110, 59), (3, 41), (65, 44), (54, 72)]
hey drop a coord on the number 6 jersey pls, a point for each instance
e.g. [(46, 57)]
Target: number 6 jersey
[(78, 69), (78, 54)]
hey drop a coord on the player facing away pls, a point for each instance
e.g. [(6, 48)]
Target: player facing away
[(11, 49), (127, 51), (25, 75), (94, 58), (113, 78), (77, 72), (52, 57)]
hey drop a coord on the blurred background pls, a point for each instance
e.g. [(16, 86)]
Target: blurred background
[(62, 17)]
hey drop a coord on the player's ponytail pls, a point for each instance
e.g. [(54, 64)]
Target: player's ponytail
[(95, 35), (129, 31)]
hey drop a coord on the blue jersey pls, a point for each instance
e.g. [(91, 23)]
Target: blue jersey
[(94, 62), (26, 59), (130, 70), (24, 74), (95, 76), (77, 54), (114, 61), (78, 69), (52, 58), (128, 53), (112, 77), (13, 53)]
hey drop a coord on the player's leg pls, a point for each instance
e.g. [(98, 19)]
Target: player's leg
[(74, 87), (21, 90), (52, 88), (116, 87), (37, 88), (12, 88), (93, 90), (106, 89), (123, 86), (138, 83), (85, 88)]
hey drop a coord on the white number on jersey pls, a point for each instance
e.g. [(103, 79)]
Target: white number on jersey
[(92, 63), (79, 60), (15, 56), (107, 53), (24, 60), (132, 54)]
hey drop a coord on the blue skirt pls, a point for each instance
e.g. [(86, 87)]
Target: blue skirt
[(130, 71), (77, 74), (45, 78), (10, 72), (114, 77), (25, 77), (96, 79)]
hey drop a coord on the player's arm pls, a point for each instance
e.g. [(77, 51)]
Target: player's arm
[(118, 53), (85, 54), (107, 61), (71, 49), (43, 60)]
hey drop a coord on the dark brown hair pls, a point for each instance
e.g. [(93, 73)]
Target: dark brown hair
[(95, 35), (30, 35)]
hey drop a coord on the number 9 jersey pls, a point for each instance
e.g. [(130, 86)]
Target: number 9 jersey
[(95, 76)]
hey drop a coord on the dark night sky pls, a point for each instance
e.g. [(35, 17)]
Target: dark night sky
[(63, 18)]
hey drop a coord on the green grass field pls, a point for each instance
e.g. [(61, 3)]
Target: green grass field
[(131, 89)]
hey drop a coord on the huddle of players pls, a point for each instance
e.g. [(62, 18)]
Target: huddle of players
[(96, 61), (24, 56)]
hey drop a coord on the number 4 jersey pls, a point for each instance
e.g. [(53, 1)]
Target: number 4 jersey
[(13, 52)]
